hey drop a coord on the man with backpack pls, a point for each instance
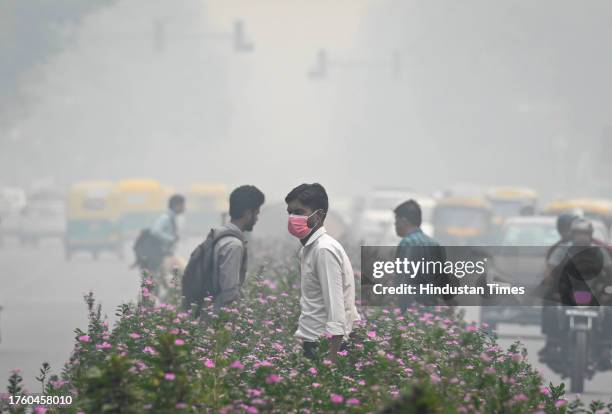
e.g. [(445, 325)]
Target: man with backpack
[(155, 247), (217, 267)]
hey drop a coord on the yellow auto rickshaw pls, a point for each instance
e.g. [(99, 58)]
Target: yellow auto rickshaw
[(141, 201), (597, 208), (462, 221), (206, 205), (92, 219), (509, 202)]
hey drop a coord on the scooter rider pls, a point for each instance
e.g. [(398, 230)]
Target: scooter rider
[(564, 221), (580, 237)]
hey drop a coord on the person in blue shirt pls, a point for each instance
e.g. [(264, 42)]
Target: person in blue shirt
[(415, 244), (165, 229)]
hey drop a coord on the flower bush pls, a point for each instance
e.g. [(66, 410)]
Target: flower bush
[(156, 358)]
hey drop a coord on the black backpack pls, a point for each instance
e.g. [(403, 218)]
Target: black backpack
[(148, 251), (200, 276)]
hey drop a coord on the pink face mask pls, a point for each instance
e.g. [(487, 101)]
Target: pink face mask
[(298, 225)]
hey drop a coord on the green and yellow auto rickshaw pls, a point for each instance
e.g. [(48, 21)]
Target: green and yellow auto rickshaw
[(596, 208), (462, 221), (207, 203), (92, 219), (509, 202), (140, 202)]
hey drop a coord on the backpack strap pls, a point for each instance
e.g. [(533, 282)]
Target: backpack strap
[(218, 235)]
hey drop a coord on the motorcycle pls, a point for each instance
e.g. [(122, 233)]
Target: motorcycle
[(583, 338)]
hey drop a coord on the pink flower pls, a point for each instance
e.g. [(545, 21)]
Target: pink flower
[(254, 392), (372, 334), (544, 390), (352, 401), (313, 371), (149, 350), (58, 383), (434, 378), (521, 397), (104, 345), (145, 292), (40, 409), (315, 385), (179, 342), (343, 353), (134, 335), (169, 376), (560, 403), (471, 328), (209, 363), (84, 338), (264, 363), (236, 365), (273, 379), (485, 358), (181, 406), (336, 399), (517, 357)]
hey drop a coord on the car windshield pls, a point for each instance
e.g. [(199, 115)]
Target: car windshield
[(94, 203), (389, 203), (530, 234), (508, 208), (136, 199), (204, 202), (426, 214), (600, 232), (385, 203), (460, 217)]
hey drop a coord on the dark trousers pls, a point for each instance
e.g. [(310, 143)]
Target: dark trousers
[(310, 348)]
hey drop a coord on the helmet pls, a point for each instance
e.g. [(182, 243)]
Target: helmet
[(564, 221), (581, 225)]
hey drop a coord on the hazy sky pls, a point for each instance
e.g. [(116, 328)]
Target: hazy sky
[(489, 93)]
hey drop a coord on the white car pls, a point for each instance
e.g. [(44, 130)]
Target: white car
[(41, 218), (541, 231), (375, 225), (12, 201)]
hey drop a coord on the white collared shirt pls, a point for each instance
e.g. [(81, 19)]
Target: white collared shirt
[(328, 289)]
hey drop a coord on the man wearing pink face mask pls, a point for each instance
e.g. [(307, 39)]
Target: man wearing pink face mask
[(327, 282)]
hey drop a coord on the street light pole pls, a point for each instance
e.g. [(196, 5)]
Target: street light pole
[(237, 37), (323, 63)]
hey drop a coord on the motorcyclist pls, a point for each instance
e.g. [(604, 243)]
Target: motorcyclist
[(562, 260), (564, 221)]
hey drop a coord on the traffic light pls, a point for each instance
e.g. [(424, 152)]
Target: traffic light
[(159, 35), (396, 65), (240, 42), (320, 69)]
